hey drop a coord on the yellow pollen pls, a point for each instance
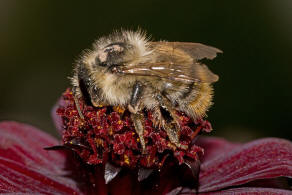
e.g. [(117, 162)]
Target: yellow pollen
[(110, 131), (99, 142), (119, 109), (171, 146), (126, 159)]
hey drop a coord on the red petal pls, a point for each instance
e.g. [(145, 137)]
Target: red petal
[(214, 146), (25, 167), (56, 118), (260, 159), (233, 191), (253, 191)]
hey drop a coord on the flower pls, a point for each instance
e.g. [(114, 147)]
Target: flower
[(258, 167), (101, 154)]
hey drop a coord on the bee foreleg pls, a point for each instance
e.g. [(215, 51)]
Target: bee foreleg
[(138, 120), (94, 93), (135, 97), (77, 102)]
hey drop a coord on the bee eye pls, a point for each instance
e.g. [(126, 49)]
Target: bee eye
[(110, 55)]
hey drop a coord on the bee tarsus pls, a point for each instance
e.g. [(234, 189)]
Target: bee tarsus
[(138, 120)]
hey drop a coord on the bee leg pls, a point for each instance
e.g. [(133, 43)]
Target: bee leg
[(138, 120), (94, 93), (172, 129), (158, 120), (136, 96), (133, 109), (83, 86), (165, 103), (173, 135), (77, 102), (137, 116)]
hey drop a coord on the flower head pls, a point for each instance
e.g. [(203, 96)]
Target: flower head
[(106, 134), (103, 156)]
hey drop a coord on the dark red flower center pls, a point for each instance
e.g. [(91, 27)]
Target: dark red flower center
[(106, 134)]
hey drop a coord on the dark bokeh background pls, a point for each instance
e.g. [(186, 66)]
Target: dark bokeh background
[(39, 41)]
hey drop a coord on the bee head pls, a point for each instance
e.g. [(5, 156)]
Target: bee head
[(112, 55), (119, 49)]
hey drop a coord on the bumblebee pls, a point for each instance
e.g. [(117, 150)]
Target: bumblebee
[(127, 69)]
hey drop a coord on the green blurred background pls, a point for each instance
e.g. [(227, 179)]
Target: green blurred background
[(39, 41)]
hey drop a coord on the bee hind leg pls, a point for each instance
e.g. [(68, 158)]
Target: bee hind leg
[(158, 120), (173, 134), (173, 128)]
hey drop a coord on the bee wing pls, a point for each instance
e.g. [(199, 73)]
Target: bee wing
[(175, 72), (197, 51), (177, 61)]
